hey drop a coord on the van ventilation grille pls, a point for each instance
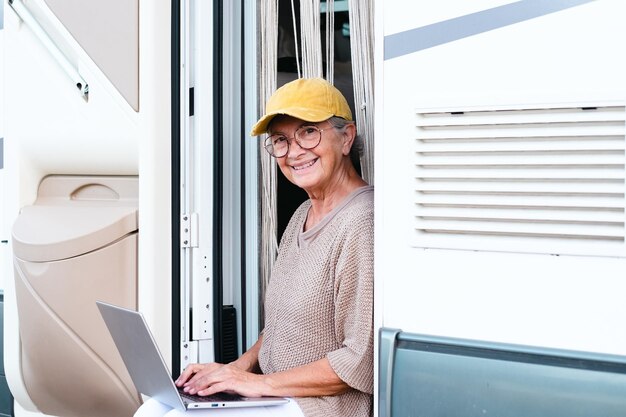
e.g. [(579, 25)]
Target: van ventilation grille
[(545, 180)]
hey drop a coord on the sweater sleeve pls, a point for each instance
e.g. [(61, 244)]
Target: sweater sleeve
[(354, 306)]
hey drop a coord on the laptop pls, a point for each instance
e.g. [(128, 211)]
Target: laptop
[(149, 372)]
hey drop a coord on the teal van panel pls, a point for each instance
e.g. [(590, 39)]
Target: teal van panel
[(6, 399), (436, 377), (1, 333)]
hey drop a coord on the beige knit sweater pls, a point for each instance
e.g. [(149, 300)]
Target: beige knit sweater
[(319, 303)]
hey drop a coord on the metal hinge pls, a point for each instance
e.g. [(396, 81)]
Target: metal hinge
[(189, 230), (188, 354)]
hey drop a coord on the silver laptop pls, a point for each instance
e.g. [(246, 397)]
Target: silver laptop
[(149, 372)]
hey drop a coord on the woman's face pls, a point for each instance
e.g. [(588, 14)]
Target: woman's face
[(315, 170)]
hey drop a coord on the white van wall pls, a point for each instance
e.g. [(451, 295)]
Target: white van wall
[(3, 228), (570, 56)]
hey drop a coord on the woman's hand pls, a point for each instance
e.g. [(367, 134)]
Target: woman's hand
[(210, 378), (237, 376), (192, 372), (315, 379)]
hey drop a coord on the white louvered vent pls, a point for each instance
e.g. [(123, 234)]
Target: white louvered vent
[(542, 180)]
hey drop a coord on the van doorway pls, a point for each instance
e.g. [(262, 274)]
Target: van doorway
[(289, 196)]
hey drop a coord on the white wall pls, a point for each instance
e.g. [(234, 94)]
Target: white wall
[(3, 228), (571, 302)]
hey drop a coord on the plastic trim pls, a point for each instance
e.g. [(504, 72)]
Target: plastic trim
[(218, 178), (175, 191), (514, 353), (387, 349)]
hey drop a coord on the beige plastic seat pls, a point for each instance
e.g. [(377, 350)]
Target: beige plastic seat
[(75, 245)]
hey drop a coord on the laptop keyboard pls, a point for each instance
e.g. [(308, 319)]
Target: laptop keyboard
[(220, 396)]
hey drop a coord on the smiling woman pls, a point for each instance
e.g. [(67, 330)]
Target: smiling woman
[(321, 165), (317, 344), (316, 116)]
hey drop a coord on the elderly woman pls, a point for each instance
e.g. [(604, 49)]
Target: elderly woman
[(317, 344)]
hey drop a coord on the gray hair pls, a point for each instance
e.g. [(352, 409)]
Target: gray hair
[(340, 124)]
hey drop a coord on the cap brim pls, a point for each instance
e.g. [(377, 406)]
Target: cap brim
[(307, 115)]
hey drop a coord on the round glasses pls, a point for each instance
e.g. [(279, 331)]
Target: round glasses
[(307, 137)]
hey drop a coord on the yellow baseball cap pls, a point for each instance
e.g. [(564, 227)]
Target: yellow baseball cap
[(308, 99)]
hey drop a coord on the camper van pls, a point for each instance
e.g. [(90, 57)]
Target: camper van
[(497, 144)]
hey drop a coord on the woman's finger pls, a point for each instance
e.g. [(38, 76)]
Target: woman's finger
[(195, 380), (218, 387), (203, 380), (188, 372), (229, 379)]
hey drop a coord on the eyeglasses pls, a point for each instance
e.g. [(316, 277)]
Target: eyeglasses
[(307, 137)]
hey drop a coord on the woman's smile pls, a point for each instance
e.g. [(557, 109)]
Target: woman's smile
[(302, 167)]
